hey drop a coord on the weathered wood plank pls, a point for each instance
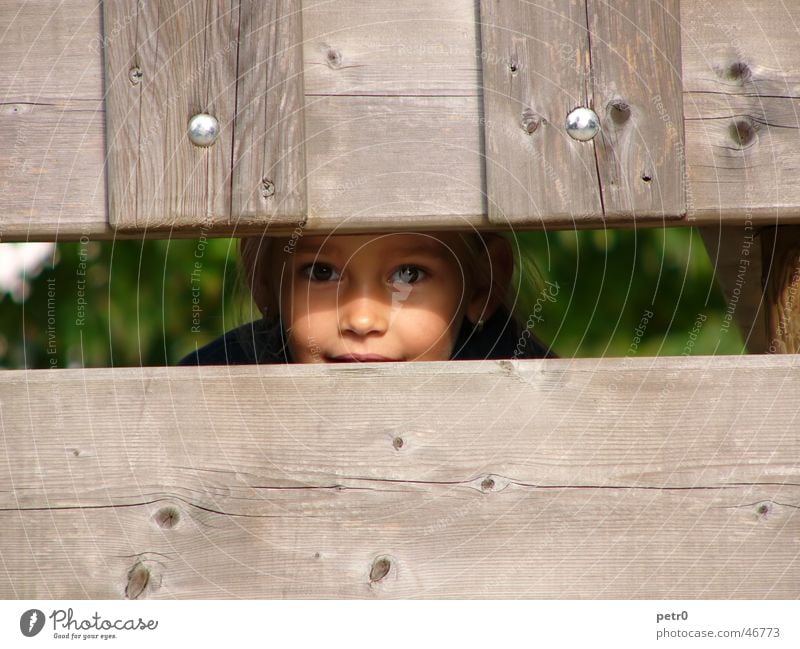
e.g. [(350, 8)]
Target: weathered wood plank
[(269, 176), (185, 56), (384, 47), (124, 105), (417, 158), (52, 178), (665, 478), (440, 541), (741, 84), (781, 263), (536, 70), (621, 59), (636, 91), (52, 181), (735, 254)]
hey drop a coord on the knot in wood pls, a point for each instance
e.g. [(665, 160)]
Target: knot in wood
[(334, 58), (743, 132), (267, 188), (167, 517), (619, 111), (530, 121), (739, 71), (135, 75), (380, 568), (138, 578)]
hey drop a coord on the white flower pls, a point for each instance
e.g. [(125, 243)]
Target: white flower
[(21, 262)]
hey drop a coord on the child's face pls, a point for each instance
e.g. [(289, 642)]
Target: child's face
[(364, 298)]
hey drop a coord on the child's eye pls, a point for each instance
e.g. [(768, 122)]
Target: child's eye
[(320, 272), (408, 275)]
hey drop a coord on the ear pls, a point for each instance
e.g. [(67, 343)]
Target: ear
[(495, 269)]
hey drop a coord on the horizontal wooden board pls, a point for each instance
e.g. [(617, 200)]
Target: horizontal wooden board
[(615, 478), (385, 47)]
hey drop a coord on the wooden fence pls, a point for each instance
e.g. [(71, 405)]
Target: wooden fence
[(611, 478), (393, 116), (620, 478)]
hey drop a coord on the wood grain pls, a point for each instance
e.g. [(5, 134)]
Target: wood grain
[(124, 102), (617, 478), (741, 80), (52, 175), (740, 105), (269, 176), (636, 91), (185, 53), (537, 70), (383, 47), (379, 167), (736, 255), (620, 59)]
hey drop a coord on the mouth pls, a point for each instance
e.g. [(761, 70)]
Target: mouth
[(360, 358)]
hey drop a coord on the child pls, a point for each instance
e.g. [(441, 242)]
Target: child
[(406, 296)]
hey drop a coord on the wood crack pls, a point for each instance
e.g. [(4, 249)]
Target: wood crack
[(754, 95)]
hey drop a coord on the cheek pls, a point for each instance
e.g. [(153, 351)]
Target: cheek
[(424, 329)]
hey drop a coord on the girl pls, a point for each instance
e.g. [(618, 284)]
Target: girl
[(406, 296)]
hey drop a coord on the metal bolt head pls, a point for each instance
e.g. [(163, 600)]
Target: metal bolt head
[(582, 124), (203, 129)]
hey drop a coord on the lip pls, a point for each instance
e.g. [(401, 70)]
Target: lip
[(361, 358)]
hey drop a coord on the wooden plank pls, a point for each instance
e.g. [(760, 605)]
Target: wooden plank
[(269, 176), (51, 115), (741, 74), (735, 254), (543, 62), (781, 262), (636, 91), (125, 65), (668, 477), (185, 54), (379, 169), (384, 47), (537, 69), (52, 178)]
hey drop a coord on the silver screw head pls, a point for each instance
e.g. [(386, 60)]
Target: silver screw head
[(582, 124), (203, 129)]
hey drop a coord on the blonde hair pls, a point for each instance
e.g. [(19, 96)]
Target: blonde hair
[(259, 267)]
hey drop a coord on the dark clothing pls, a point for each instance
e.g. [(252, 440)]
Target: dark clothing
[(259, 343)]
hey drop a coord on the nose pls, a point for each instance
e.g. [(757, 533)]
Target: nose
[(364, 312)]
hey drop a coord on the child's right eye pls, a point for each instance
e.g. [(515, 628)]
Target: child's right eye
[(319, 272)]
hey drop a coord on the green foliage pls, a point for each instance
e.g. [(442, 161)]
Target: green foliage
[(123, 303), (630, 292), (139, 297)]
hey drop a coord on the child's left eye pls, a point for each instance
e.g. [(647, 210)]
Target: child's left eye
[(408, 275)]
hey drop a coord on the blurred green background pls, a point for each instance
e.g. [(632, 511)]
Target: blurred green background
[(138, 297)]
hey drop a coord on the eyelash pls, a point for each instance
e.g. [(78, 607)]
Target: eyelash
[(308, 270)]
